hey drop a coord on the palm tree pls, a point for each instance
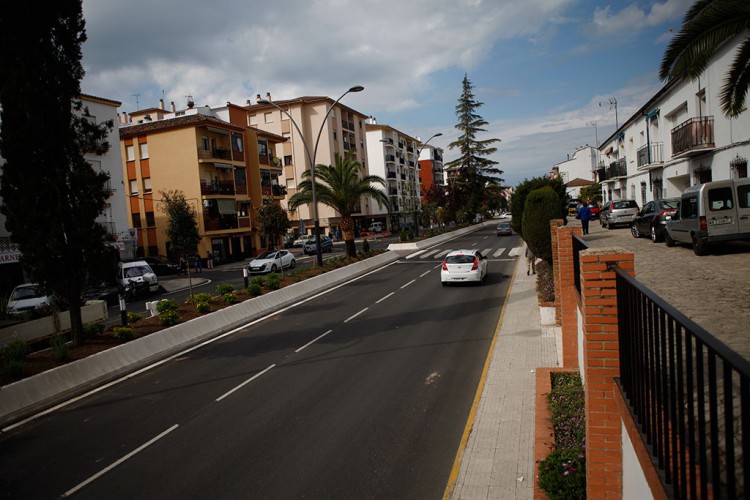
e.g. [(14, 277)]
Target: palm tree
[(707, 25), (342, 187)]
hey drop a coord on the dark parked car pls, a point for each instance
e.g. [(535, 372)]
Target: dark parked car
[(326, 245), (161, 266), (652, 219)]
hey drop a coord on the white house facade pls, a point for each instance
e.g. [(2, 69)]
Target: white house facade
[(679, 138)]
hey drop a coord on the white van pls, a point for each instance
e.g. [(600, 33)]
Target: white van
[(711, 212), (376, 227), (137, 271)]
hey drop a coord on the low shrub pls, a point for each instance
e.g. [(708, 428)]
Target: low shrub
[(230, 298), (203, 307), (254, 289), (123, 333), (224, 288), (199, 297), (562, 475), (166, 305), (133, 317), (273, 281), (169, 317), (15, 350), (365, 246), (59, 347), (91, 330), (402, 234), (258, 280)]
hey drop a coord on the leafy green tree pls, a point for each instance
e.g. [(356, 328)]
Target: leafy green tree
[(707, 25), (474, 172), (273, 222), (542, 205), (518, 201), (341, 186), (592, 192), (51, 195), (182, 223)]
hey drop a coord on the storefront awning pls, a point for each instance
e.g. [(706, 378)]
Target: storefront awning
[(226, 207)]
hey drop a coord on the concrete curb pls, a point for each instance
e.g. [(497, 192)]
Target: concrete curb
[(40, 392)]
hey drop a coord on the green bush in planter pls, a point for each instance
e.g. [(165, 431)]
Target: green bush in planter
[(124, 333), (200, 297), (224, 288), (258, 280), (15, 350), (273, 281), (203, 307), (91, 330), (59, 347), (166, 305), (230, 298), (254, 289), (169, 318), (133, 317)]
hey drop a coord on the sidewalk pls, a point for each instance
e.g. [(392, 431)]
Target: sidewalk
[(498, 461)]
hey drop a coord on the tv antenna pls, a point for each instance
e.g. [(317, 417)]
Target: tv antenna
[(596, 131), (137, 104), (612, 104)]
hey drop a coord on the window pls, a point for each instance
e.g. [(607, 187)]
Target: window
[(743, 196), (252, 120), (237, 142), (147, 184), (262, 147), (720, 199), (133, 186), (150, 221), (204, 143), (268, 117), (689, 208), (136, 218), (288, 160), (143, 150), (130, 153)]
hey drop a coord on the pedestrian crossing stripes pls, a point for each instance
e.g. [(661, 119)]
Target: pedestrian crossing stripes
[(488, 252)]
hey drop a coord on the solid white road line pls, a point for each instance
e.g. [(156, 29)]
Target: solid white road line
[(243, 384), (313, 340), (347, 320), (382, 299), (123, 459)]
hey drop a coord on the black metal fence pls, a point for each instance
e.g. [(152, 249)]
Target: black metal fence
[(688, 393)]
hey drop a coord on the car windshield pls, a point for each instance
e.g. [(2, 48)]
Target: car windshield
[(624, 204), (135, 271), (266, 255), (459, 259), (27, 292)]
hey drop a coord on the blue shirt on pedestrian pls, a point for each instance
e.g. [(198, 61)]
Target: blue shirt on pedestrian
[(584, 213)]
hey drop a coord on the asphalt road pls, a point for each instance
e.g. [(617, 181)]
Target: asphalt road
[(360, 392)]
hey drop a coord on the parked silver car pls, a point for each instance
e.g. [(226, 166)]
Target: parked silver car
[(618, 213)]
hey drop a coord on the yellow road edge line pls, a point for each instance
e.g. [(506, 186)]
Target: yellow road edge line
[(477, 397)]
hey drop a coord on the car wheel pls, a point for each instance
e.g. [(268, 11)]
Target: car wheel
[(293, 264), (668, 239), (634, 231), (654, 235), (274, 268), (699, 248)]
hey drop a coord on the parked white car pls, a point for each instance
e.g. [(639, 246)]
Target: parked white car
[(26, 297), (305, 238), (270, 262), (462, 266), (138, 272)]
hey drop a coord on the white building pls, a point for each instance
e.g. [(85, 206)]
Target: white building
[(578, 171), (679, 138), (392, 155)]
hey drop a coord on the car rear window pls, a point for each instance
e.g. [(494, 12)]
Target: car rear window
[(624, 204), (670, 204), (459, 259)]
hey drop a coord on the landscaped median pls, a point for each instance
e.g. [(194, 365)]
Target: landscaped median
[(30, 395)]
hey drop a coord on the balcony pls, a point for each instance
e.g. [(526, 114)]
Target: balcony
[(391, 175), (410, 149), (217, 187), (617, 168), (650, 155), (220, 222), (393, 191), (347, 124), (390, 158), (279, 191), (220, 154), (696, 135)]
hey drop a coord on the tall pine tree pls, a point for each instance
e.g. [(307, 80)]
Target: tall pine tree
[(472, 172), (51, 195)]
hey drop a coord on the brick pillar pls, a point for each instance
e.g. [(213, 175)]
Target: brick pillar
[(553, 225), (568, 294), (601, 364)]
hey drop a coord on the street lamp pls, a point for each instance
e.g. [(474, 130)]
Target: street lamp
[(311, 159), (419, 153)]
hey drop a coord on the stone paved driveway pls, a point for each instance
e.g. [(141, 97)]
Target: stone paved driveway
[(713, 290)]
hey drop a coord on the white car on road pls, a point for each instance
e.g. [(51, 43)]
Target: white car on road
[(26, 297), (461, 266), (270, 262), (302, 240)]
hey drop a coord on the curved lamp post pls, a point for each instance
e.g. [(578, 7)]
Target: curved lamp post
[(311, 159), (419, 153)]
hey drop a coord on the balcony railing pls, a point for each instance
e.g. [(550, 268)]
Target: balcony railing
[(274, 190), (696, 134), (219, 223), (220, 187), (391, 175), (390, 158), (617, 168), (650, 154), (220, 154)]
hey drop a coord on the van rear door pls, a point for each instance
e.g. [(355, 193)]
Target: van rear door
[(721, 209), (743, 204)]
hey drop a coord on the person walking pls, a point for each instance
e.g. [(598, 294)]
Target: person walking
[(198, 262), (183, 266), (530, 261), (584, 213), (210, 261)]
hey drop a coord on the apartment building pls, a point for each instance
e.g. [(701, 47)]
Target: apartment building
[(114, 217), (342, 132), (578, 171), (679, 138), (393, 156), (430, 168), (225, 171)]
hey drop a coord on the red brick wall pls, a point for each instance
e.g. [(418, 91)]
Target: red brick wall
[(565, 289), (601, 365)]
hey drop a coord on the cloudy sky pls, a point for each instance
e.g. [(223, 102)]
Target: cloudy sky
[(546, 70)]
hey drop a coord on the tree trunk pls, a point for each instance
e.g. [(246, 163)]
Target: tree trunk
[(347, 229), (76, 322)]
